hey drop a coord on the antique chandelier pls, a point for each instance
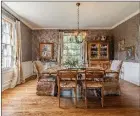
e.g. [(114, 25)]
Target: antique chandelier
[(79, 35)]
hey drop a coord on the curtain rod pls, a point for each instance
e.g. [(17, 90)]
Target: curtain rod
[(10, 14), (71, 30)]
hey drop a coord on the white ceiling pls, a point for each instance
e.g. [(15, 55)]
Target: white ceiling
[(63, 15)]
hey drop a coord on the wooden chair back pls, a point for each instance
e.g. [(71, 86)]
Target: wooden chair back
[(67, 75), (94, 75)]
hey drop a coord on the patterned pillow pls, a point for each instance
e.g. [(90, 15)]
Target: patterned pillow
[(52, 69), (116, 65), (112, 75)]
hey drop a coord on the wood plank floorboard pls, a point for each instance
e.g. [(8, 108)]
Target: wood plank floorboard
[(23, 101)]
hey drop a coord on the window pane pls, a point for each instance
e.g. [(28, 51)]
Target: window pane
[(68, 45), (9, 50), (65, 39), (73, 39), (4, 49), (65, 46), (65, 52), (6, 38), (3, 62), (75, 46), (3, 26), (8, 61), (6, 27), (76, 52), (71, 50), (7, 47), (3, 38)]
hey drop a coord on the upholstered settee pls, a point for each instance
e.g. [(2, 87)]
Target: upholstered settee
[(46, 84), (40, 69), (111, 84)]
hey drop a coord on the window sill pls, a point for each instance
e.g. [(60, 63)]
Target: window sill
[(7, 70)]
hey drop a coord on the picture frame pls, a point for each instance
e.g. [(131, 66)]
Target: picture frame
[(46, 50), (130, 53), (121, 45)]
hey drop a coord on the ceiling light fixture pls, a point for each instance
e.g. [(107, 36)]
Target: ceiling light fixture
[(79, 35)]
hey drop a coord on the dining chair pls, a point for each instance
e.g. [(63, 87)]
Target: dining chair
[(111, 78), (67, 79), (93, 80)]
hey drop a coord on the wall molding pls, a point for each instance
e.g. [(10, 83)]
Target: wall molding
[(31, 27), (16, 15), (112, 27), (90, 28), (131, 72), (27, 68), (125, 19)]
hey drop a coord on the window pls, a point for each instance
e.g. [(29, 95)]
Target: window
[(7, 44), (71, 49)]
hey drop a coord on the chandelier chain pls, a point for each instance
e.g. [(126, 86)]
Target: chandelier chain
[(81, 39), (78, 18)]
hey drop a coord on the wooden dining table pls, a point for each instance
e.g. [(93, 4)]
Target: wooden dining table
[(81, 78), (53, 70)]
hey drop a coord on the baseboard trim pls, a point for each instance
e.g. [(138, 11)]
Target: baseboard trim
[(28, 76), (132, 82)]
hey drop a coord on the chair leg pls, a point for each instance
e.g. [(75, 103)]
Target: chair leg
[(86, 98), (75, 92), (82, 92), (119, 90), (102, 97), (81, 89), (59, 96)]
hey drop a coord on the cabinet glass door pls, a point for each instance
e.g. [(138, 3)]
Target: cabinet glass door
[(94, 51), (103, 51)]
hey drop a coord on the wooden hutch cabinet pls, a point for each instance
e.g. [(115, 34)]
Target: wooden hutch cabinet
[(98, 54)]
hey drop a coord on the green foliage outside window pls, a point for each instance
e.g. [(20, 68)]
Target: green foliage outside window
[(71, 51)]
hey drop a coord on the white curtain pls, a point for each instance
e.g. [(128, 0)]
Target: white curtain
[(18, 74), (60, 44), (85, 53), (82, 53)]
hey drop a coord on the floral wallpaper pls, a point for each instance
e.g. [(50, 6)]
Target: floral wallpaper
[(52, 35), (129, 30), (44, 36)]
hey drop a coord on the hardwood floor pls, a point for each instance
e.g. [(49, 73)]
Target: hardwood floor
[(23, 101)]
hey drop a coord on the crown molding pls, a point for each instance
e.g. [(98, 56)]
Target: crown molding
[(101, 28), (117, 24), (69, 0), (16, 15), (125, 19)]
